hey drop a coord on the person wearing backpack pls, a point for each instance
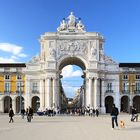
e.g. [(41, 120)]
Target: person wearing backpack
[(114, 115)]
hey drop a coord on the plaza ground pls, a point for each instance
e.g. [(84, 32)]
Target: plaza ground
[(67, 128)]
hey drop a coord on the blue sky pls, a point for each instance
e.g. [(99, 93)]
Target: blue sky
[(23, 21)]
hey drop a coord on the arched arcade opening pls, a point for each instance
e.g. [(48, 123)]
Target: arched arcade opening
[(19, 104), (125, 104), (108, 103), (136, 103), (7, 103), (35, 103)]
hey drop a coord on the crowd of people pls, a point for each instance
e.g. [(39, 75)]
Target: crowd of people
[(83, 111), (75, 112), (28, 113)]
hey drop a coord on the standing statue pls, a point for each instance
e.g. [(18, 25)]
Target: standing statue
[(71, 20), (93, 52), (52, 53)]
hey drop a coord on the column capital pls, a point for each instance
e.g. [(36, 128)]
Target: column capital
[(101, 78), (95, 78), (90, 77)]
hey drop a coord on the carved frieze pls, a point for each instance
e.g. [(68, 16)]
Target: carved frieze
[(71, 47)]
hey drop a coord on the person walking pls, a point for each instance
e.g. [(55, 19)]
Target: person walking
[(134, 115), (97, 112), (11, 114), (114, 115), (22, 113)]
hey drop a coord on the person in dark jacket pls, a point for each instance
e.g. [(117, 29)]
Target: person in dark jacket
[(134, 115), (114, 115), (11, 114)]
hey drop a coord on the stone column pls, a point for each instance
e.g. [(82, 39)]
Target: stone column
[(95, 93), (86, 93), (27, 94), (89, 95), (2, 105), (42, 94), (117, 94), (14, 105), (58, 94), (54, 93), (103, 97), (47, 92)]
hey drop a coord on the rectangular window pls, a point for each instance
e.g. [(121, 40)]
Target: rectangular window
[(125, 77), (34, 86), (137, 86), (19, 77), (19, 87), (7, 86), (109, 87), (137, 77), (125, 86), (7, 77)]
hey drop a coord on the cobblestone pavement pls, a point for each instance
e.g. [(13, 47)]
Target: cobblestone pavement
[(67, 128)]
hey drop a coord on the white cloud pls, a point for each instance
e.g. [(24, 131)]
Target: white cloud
[(69, 72), (7, 60), (13, 49), (12, 53), (22, 55), (70, 91)]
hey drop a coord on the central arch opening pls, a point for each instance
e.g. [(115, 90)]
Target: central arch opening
[(73, 84)]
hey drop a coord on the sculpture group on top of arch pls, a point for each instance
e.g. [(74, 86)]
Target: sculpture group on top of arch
[(71, 24)]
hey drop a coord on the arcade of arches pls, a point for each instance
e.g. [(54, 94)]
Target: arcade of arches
[(18, 103)]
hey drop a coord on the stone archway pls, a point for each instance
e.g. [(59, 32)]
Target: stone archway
[(108, 103), (71, 45), (35, 103), (136, 103), (19, 104), (79, 102), (7, 103), (124, 104)]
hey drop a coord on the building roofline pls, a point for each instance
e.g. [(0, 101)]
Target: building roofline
[(12, 65), (131, 65)]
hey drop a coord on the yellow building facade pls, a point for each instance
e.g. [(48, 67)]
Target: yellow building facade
[(129, 85), (12, 86)]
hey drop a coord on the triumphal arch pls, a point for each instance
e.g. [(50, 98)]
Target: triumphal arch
[(71, 44)]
